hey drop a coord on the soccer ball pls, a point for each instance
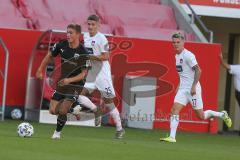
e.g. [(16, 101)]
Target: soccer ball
[(25, 130), (16, 114)]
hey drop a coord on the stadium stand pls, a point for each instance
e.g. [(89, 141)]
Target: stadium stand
[(139, 18), (142, 1), (10, 17), (133, 13), (147, 32)]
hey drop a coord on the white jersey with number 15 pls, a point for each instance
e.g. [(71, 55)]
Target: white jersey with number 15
[(97, 45)]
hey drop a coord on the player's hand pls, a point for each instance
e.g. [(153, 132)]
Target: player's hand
[(64, 82), (92, 57), (221, 56), (39, 74), (193, 90)]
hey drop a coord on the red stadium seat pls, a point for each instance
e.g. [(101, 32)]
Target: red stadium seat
[(11, 17), (142, 1), (46, 24), (129, 13), (46, 15), (79, 10), (190, 37), (147, 32), (131, 18), (32, 9)]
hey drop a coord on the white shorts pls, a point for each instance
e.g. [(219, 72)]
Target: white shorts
[(184, 97), (104, 85)]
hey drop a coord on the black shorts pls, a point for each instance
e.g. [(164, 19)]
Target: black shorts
[(60, 96), (68, 91)]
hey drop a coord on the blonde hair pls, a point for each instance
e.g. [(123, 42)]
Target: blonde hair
[(178, 35)]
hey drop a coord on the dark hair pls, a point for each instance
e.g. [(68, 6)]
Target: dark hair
[(93, 17), (75, 26), (178, 35)]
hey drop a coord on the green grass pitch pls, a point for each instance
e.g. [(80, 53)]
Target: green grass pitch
[(89, 143)]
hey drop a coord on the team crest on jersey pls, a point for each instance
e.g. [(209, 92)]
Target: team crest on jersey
[(76, 55), (181, 60)]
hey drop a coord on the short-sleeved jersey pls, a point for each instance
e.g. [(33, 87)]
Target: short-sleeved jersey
[(73, 60), (235, 71), (185, 61), (97, 45)]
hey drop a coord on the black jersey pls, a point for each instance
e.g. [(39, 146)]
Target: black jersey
[(73, 61)]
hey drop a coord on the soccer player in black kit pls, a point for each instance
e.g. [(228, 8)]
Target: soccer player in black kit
[(74, 66)]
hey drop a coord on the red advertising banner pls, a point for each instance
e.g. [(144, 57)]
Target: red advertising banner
[(128, 55), (158, 58), (215, 3)]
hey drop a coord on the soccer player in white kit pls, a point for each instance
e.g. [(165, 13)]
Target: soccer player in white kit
[(235, 71), (189, 89), (99, 77)]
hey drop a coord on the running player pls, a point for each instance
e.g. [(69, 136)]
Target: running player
[(99, 77), (74, 64), (234, 70), (189, 90)]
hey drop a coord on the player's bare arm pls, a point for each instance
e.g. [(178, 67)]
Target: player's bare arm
[(43, 64), (77, 78), (197, 75), (224, 64), (102, 57)]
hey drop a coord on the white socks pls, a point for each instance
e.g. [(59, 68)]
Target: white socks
[(83, 100), (209, 113), (116, 117), (174, 121)]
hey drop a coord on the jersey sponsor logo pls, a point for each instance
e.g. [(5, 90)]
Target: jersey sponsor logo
[(93, 43), (76, 55), (179, 68)]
